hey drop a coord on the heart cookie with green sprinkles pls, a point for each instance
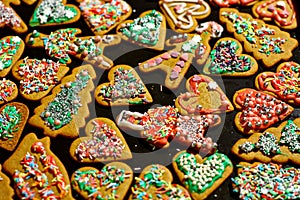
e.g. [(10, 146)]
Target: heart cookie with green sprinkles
[(111, 182), (13, 118), (104, 143), (201, 176), (54, 12), (125, 87), (149, 30), (5, 186), (226, 59), (155, 182)]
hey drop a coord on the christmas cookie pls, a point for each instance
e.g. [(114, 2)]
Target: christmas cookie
[(5, 187), (259, 110), (125, 87), (102, 16), (226, 59), (227, 3), (13, 118), (64, 111), (11, 49), (267, 43), (158, 126), (266, 181), (9, 18), (149, 30), (104, 142), (37, 172), (38, 77), (203, 96), (8, 91), (282, 12), (182, 15), (64, 42), (279, 145), (177, 61), (284, 84), (111, 182), (155, 182), (201, 176), (51, 12)]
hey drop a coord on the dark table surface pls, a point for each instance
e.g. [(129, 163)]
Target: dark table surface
[(125, 53)]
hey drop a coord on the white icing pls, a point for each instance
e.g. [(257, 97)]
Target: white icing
[(124, 123)]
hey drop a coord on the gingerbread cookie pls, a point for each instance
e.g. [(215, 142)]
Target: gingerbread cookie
[(8, 91), (227, 3), (267, 43), (158, 126), (64, 111), (283, 84), (149, 30), (155, 182), (201, 176), (9, 18), (203, 96), (282, 12), (177, 61), (111, 182), (125, 87), (5, 189), (103, 16), (37, 172), (226, 59), (266, 181), (49, 13), (38, 77), (13, 118), (259, 110), (279, 145), (104, 142), (182, 15), (11, 49), (64, 42)]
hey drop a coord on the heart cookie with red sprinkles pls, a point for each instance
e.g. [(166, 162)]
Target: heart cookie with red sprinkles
[(259, 110), (104, 142)]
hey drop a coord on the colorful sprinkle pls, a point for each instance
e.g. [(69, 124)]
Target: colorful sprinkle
[(10, 117)]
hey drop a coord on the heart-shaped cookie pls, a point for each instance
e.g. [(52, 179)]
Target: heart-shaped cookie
[(279, 145), (253, 181), (37, 172), (284, 84), (64, 111), (9, 18), (102, 16), (201, 176), (227, 3), (281, 11), (182, 15), (158, 126), (5, 186), (125, 87), (149, 30), (177, 61), (155, 182), (8, 91), (111, 182), (38, 77), (204, 96), (11, 49), (50, 12), (64, 42), (226, 59), (13, 118), (259, 110), (104, 142)]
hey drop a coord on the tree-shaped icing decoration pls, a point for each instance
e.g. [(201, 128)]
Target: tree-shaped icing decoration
[(64, 42), (177, 61)]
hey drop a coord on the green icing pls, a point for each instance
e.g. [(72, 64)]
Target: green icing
[(290, 137), (199, 177)]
